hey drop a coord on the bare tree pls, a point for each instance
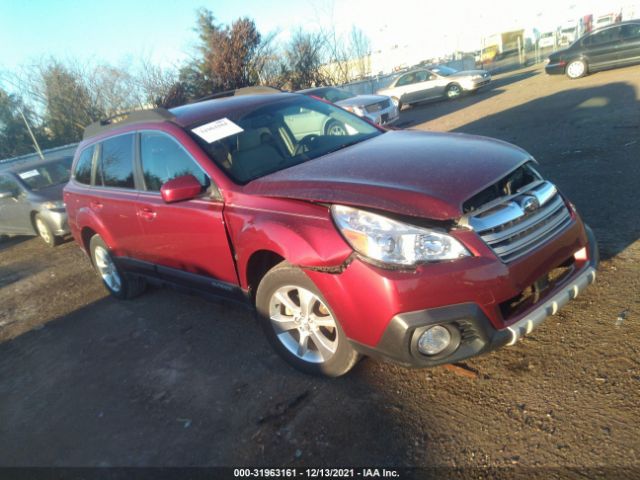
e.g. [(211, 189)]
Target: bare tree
[(303, 60), (15, 138), (160, 87), (360, 51)]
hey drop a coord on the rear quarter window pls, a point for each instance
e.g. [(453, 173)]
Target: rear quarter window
[(82, 172)]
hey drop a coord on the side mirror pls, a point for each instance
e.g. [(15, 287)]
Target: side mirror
[(180, 189), (4, 195)]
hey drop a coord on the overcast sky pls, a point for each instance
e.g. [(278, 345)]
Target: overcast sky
[(162, 30)]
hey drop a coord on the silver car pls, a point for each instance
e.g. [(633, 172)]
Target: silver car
[(378, 109), (437, 82), (31, 199)]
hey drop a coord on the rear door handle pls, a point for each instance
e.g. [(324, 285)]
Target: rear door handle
[(96, 205), (147, 214)]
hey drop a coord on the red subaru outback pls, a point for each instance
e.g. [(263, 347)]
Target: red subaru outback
[(425, 248)]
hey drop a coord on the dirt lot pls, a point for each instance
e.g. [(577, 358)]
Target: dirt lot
[(174, 380)]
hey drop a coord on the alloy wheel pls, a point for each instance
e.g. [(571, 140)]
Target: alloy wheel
[(575, 69), (107, 269), (453, 91), (303, 324), (336, 129)]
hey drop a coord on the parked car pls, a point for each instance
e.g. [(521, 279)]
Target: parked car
[(437, 82), (31, 199), (421, 247), (613, 46), (378, 109)]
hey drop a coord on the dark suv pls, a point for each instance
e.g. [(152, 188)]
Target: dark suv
[(421, 247)]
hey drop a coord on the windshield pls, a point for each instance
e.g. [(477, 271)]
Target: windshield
[(444, 71), (334, 95), (279, 135), (46, 175)]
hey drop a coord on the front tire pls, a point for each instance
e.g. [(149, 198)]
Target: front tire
[(118, 283), (44, 231), (576, 69), (335, 128), (300, 324), (453, 91)]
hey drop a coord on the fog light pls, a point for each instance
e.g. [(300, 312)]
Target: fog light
[(434, 340)]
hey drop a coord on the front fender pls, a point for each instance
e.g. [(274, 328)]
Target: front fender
[(300, 232)]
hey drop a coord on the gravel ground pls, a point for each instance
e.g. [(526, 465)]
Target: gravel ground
[(174, 380)]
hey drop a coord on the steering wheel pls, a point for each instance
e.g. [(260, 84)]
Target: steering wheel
[(306, 143)]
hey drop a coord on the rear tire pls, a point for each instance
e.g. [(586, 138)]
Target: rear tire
[(576, 69), (118, 283), (44, 231), (300, 324)]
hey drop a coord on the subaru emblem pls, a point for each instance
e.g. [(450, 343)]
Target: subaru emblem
[(529, 203)]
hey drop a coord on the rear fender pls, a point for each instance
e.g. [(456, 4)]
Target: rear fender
[(86, 218)]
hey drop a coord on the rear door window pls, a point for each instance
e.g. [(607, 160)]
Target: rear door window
[(163, 159), (422, 76), (115, 167), (605, 36), (82, 172), (408, 79), (631, 31)]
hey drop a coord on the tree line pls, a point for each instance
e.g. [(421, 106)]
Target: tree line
[(59, 98)]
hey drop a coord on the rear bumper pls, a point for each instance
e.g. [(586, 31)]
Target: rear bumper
[(475, 332)]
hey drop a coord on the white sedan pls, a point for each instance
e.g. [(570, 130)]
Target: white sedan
[(437, 82)]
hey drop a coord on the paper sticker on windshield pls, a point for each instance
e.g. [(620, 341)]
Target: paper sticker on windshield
[(29, 174), (210, 132)]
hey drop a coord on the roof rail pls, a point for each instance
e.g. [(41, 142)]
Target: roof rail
[(136, 116), (256, 90)]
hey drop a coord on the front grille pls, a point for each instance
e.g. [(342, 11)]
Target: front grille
[(523, 221), (376, 107)]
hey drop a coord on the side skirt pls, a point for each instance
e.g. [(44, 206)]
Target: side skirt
[(185, 282)]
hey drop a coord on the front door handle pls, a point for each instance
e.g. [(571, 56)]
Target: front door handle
[(147, 214)]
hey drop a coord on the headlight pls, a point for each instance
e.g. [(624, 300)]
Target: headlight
[(357, 110), (58, 205), (392, 242)]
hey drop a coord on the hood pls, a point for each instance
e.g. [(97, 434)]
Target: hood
[(421, 174), (362, 100), (469, 73)]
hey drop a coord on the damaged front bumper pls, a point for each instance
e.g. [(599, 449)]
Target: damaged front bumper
[(474, 333)]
